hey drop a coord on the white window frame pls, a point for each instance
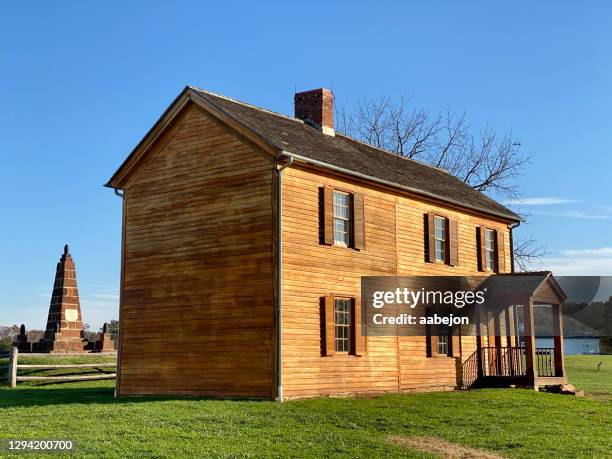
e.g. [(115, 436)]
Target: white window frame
[(442, 345), (344, 220), (440, 239), (490, 249), (342, 324)]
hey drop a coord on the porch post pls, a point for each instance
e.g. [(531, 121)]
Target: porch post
[(497, 330), (530, 348), (509, 315), (479, 351), (558, 339)]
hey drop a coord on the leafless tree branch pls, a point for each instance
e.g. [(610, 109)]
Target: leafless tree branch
[(487, 161), (527, 252)]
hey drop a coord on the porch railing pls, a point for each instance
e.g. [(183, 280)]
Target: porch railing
[(545, 361), (503, 361), (512, 361)]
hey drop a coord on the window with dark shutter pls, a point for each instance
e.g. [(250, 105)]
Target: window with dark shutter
[(491, 250), (440, 341), (342, 327), (343, 218), (442, 239)]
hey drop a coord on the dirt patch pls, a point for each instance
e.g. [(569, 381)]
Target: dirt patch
[(442, 448)]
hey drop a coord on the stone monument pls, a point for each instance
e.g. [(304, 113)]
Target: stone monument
[(64, 323), (21, 340), (105, 343)]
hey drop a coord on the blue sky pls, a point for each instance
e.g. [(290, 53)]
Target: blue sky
[(81, 82)]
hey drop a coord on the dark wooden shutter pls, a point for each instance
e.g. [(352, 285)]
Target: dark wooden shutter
[(328, 215), (433, 341), (481, 249), (330, 336), (431, 232), (501, 252), (455, 342), (453, 242), (358, 221), (359, 338)]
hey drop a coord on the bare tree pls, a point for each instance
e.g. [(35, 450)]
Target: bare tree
[(486, 161), (527, 252)]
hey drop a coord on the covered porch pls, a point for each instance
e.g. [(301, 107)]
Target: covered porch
[(507, 353)]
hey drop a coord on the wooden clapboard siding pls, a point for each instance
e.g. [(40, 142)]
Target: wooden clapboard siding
[(394, 245), (197, 312), (312, 270)]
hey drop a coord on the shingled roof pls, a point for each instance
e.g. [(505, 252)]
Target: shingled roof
[(339, 152), (295, 136)]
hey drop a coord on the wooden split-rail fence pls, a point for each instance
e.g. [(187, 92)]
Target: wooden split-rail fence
[(13, 368)]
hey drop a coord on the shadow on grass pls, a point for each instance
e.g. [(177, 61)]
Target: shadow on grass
[(25, 397)]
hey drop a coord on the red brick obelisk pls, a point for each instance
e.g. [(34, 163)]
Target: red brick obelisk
[(65, 323)]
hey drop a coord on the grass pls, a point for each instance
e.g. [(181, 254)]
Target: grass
[(509, 422), (583, 373)]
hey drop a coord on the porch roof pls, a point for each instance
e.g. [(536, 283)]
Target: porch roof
[(539, 286)]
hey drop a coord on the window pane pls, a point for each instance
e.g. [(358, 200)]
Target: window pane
[(443, 344), (341, 231), (341, 205), (341, 218), (490, 239), (440, 238), (440, 228), (490, 249), (440, 246), (490, 260), (342, 316)]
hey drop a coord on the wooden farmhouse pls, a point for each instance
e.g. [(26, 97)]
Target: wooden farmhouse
[(245, 236)]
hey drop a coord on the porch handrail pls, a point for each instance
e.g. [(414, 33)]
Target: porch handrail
[(545, 361), (503, 361)]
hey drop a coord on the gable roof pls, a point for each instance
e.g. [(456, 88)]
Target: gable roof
[(527, 284), (291, 136)]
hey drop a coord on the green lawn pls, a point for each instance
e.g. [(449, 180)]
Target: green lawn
[(510, 422), (583, 373)]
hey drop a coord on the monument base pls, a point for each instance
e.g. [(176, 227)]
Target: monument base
[(61, 346)]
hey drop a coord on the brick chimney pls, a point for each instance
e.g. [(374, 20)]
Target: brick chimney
[(316, 107)]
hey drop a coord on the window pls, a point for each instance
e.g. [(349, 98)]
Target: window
[(342, 329), (490, 249), (442, 344), (440, 238), (342, 324), (342, 218), (439, 339)]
